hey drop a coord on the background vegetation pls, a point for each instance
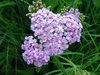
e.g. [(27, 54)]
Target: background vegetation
[(83, 57)]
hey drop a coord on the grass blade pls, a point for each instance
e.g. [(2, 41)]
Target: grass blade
[(2, 39), (6, 3)]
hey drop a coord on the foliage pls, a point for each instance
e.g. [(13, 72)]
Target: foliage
[(14, 25)]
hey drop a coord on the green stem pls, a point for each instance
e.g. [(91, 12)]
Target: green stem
[(76, 3), (69, 62), (7, 60)]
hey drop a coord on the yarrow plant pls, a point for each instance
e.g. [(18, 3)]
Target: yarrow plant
[(54, 31)]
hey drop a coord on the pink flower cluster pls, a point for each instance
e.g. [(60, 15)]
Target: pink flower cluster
[(55, 31)]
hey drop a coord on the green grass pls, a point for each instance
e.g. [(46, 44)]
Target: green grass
[(14, 26)]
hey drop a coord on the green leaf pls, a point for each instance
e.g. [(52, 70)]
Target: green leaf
[(86, 24), (25, 2), (69, 2), (72, 53), (29, 71), (89, 63), (38, 69), (2, 38), (53, 3), (7, 60), (93, 35), (60, 5), (77, 2), (6, 3), (57, 62), (51, 72), (96, 3)]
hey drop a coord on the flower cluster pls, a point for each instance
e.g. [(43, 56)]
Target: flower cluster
[(56, 27), (35, 7), (55, 33), (73, 26), (65, 9), (34, 53), (49, 28)]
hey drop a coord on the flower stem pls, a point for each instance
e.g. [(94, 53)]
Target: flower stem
[(69, 62)]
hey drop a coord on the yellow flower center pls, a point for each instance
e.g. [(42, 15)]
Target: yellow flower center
[(55, 45), (71, 41)]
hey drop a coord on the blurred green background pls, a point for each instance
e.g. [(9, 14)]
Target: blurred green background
[(14, 26)]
